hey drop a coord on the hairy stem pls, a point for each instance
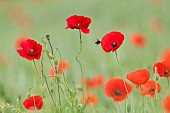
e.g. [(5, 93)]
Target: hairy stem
[(81, 68)]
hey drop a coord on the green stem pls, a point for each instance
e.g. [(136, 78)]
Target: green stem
[(122, 76), (42, 72), (65, 81), (81, 68)]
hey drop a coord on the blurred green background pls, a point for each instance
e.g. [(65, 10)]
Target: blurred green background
[(37, 18)]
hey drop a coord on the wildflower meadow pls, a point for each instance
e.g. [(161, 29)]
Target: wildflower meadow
[(74, 56)]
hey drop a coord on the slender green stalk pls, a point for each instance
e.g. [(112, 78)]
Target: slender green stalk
[(81, 68), (65, 81), (42, 73), (122, 76)]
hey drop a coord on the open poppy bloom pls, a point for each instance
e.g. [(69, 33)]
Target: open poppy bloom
[(117, 89), (112, 41), (162, 68), (33, 103), (138, 40), (95, 82), (92, 99), (79, 22), (139, 77), (30, 50), (19, 40), (166, 104), (150, 88)]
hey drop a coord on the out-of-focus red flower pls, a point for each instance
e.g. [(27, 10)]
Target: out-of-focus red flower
[(79, 22), (93, 100), (162, 68), (156, 1), (156, 25), (52, 72), (30, 50), (138, 40), (139, 77), (95, 82), (20, 17), (150, 88), (166, 104), (33, 103), (112, 41), (117, 89), (62, 66), (19, 40), (166, 54)]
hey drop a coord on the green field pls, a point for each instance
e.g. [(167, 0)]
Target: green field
[(48, 17)]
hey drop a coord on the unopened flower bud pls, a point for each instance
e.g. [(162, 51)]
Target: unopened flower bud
[(48, 37), (50, 55), (43, 40)]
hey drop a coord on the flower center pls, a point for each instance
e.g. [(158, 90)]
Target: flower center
[(152, 90), (31, 51), (114, 44), (117, 92), (166, 72)]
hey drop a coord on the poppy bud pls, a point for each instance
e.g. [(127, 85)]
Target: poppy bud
[(48, 37), (43, 40), (50, 55), (56, 62)]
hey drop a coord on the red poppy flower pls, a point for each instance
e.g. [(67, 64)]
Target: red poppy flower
[(33, 103), (139, 77), (166, 104), (112, 41), (95, 82), (19, 40), (79, 22), (162, 68), (64, 65), (166, 54), (116, 89), (52, 72), (92, 99), (30, 50), (150, 88), (138, 40)]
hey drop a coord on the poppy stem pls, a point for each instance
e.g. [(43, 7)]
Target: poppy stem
[(81, 68), (36, 69), (122, 76), (65, 81), (42, 73)]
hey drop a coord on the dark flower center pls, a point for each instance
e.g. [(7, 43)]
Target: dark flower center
[(114, 44), (31, 51), (152, 90), (117, 92), (166, 72)]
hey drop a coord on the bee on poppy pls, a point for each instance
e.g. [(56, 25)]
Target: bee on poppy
[(111, 41)]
